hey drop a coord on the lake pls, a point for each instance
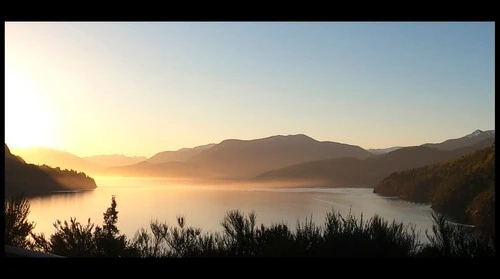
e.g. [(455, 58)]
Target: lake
[(204, 206)]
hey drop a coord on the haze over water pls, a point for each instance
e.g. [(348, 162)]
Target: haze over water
[(204, 206)]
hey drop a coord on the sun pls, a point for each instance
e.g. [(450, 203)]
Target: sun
[(29, 115)]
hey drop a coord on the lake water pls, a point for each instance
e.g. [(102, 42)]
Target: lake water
[(204, 206)]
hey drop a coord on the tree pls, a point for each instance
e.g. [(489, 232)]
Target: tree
[(73, 239), (109, 242), (110, 219), (17, 227), (76, 240)]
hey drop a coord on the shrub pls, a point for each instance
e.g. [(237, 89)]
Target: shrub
[(17, 226)]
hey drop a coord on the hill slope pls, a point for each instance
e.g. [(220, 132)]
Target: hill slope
[(351, 172), (463, 188), (378, 151), (56, 158), (242, 159), (108, 161), (180, 155), (30, 179), (468, 140), (247, 158)]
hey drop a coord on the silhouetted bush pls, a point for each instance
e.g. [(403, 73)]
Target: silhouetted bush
[(241, 237), (275, 241), (453, 241), (17, 227), (75, 240), (339, 237), (152, 244)]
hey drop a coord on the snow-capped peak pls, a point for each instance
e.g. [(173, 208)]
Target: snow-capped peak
[(475, 134)]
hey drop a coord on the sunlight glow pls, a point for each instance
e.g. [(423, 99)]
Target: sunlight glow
[(29, 117)]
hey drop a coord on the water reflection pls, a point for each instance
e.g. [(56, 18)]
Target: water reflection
[(205, 206)]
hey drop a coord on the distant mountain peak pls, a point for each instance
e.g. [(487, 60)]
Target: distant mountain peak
[(275, 137), (475, 133), (295, 136), (302, 136), (464, 141)]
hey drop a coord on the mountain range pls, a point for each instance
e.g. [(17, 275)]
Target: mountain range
[(289, 157), (473, 138), (243, 159), (450, 144), (56, 158), (180, 155), (351, 172), (107, 161)]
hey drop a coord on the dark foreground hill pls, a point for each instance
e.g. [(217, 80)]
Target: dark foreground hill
[(29, 179), (463, 189), (56, 158)]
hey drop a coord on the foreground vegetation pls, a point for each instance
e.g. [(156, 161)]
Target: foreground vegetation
[(241, 236), (463, 189)]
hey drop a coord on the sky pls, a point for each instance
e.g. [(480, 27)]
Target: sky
[(139, 88)]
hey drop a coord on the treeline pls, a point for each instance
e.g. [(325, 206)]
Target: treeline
[(463, 189), (339, 236), (71, 179), (57, 171), (30, 179)]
